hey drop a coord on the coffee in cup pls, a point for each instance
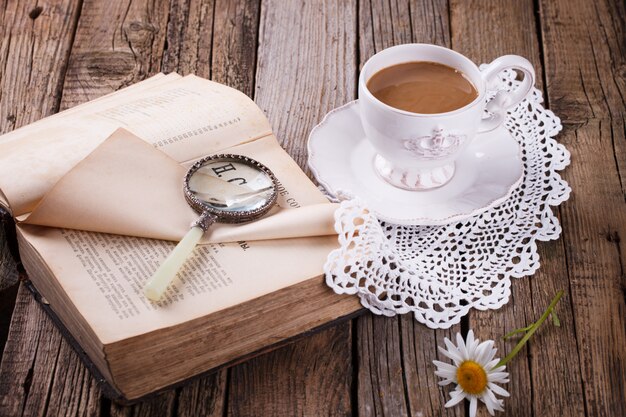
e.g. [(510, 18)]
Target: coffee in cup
[(422, 87)]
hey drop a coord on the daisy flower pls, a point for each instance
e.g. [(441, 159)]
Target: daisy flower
[(473, 372)]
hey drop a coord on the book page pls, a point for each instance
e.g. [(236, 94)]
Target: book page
[(184, 117), (104, 274), (128, 187)]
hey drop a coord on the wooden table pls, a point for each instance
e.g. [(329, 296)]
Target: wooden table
[(299, 59)]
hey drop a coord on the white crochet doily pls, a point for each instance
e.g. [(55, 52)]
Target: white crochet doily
[(440, 272)]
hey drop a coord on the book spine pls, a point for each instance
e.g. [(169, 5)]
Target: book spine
[(9, 253)]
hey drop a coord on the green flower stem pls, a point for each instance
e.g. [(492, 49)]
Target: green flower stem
[(517, 331), (531, 330)]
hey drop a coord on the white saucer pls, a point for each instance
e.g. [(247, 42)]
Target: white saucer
[(342, 161)]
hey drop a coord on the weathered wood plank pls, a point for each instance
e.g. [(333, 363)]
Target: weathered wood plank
[(311, 377), (29, 362), (306, 64), (117, 44), (586, 84), (73, 392), (162, 405), (395, 370), (483, 31), (384, 24), (34, 47), (419, 347), (189, 38), (235, 38), (7, 304), (203, 397)]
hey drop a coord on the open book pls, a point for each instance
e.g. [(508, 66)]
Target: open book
[(97, 195)]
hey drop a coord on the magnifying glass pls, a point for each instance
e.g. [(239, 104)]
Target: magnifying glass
[(223, 188)]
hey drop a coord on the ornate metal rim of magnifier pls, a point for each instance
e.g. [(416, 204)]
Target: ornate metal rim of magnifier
[(208, 214)]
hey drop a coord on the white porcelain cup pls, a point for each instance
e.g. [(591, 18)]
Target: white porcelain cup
[(417, 151)]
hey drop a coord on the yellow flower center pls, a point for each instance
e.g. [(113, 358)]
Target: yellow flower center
[(471, 377)]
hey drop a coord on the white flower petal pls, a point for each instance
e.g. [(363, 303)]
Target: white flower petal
[(456, 397), (498, 389), (446, 382), (445, 366), (499, 368), (494, 402), (478, 353), (499, 406), (459, 341), (473, 404), (472, 349), (446, 375), (452, 354), (501, 377), (488, 403), (449, 345), (469, 340), (482, 353), (485, 353), (490, 365), (491, 355), (462, 348)]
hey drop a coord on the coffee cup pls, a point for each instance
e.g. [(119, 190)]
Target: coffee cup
[(417, 151)]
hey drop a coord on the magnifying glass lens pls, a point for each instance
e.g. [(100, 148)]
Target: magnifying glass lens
[(231, 186)]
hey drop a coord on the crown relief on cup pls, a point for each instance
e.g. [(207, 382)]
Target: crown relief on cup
[(440, 144)]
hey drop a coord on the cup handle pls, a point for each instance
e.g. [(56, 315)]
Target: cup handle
[(504, 99)]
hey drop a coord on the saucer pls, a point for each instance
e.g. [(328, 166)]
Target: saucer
[(342, 160)]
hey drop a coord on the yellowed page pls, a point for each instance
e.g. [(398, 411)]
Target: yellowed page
[(103, 275), (128, 187), (186, 118)]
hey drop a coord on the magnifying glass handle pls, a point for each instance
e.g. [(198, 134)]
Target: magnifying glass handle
[(163, 276)]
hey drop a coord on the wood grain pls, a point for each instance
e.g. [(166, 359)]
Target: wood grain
[(235, 37), (203, 397), (395, 369), (30, 360), (189, 38), (306, 64), (483, 31), (117, 44), (586, 84), (34, 50)]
